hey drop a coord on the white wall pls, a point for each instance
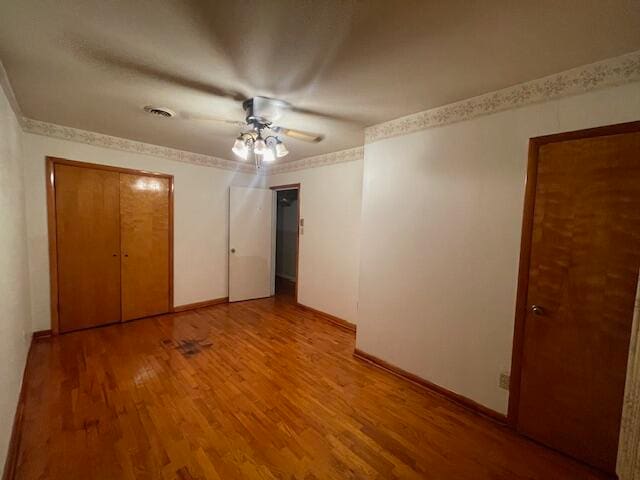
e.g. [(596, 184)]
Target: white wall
[(15, 321), (330, 203), (441, 223), (200, 218)]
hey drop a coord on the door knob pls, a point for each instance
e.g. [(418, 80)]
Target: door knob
[(233, 250), (536, 310)]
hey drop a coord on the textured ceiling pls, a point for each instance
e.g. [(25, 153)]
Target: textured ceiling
[(93, 64)]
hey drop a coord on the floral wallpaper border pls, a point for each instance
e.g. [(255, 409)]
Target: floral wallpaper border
[(342, 156), (614, 71), (117, 143)]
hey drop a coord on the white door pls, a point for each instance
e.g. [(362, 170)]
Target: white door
[(250, 237)]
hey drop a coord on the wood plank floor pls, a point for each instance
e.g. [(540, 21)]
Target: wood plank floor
[(258, 390)]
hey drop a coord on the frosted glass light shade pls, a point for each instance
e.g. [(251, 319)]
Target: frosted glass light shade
[(268, 155), (281, 150), (259, 146), (240, 149)]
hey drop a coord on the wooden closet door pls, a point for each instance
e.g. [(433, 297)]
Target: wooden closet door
[(88, 247), (144, 213), (584, 262)]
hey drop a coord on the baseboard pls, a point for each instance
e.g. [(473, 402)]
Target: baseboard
[(11, 462), (443, 392), (335, 321), (41, 334), (206, 303)]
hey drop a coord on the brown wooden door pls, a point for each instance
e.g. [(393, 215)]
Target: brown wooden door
[(144, 211), (88, 247), (583, 272)]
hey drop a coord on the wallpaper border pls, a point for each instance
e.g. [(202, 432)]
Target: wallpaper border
[(341, 156), (606, 73), (107, 141)]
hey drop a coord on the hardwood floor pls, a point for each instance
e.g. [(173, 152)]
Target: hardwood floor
[(249, 390)]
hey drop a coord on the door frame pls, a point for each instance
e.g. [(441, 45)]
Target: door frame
[(50, 163), (290, 186), (525, 248)]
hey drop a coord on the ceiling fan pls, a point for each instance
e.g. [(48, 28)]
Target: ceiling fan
[(260, 137)]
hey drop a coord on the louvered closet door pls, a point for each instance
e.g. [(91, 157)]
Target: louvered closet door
[(88, 247), (144, 213)]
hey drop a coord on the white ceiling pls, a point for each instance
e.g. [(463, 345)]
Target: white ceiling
[(93, 64)]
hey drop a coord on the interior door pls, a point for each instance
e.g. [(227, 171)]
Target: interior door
[(144, 210), (250, 237), (583, 273), (88, 247)]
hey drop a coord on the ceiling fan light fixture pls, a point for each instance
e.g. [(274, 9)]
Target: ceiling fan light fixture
[(260, 115)]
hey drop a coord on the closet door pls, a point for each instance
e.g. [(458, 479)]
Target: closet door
[(144, 213), (88, 247)]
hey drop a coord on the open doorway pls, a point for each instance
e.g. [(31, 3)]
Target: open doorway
[(287, 200)]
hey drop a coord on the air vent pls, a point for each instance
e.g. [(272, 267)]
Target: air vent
[(159, 111)]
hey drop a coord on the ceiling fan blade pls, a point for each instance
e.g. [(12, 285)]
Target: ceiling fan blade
[(327, 116), (299, 134), (129, 65), (207, 118)]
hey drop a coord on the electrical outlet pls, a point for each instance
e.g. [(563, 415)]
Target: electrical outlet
[(505, 378)]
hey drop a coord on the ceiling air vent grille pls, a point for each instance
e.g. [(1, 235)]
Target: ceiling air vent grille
[(159, 111)]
